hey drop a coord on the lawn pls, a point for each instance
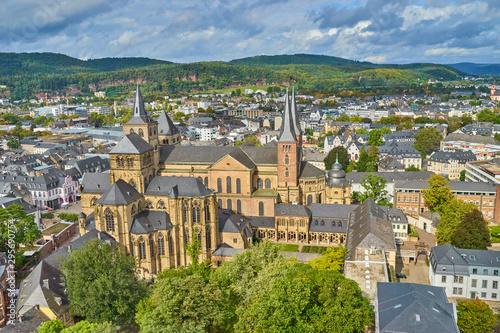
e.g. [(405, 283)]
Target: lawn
[(495, 234), (55, 229), (314, 249), (289, 247)]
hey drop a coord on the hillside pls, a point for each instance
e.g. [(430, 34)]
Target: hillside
[(295, 59), (477, 69)]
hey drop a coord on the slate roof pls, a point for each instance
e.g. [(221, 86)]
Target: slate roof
[(450, 260), (30, 321), (140, 115), (331, 210), (471, 138), (291, 210), (150, 220), (262, 222), (96, 182), (456, 186), (411, 307), (287, 132), (355, 177), (391, 163), (120, 193), (165, 125), (173, 186), (231, 222), (225, 250), (307, 170), (462, 156), (131, 144)]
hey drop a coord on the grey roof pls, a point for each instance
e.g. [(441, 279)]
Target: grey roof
[(369, 226), (131, 144), (262, 222), (295, 114), (411, 307), (225, 250), (178, 186), (391, 163), (30, 321), (355, 177), (92, 164), (331, 210), (396, 215), (231, 222), (307, 170), (287, 133), (462, 156), (6, 201), (150, 220), (120, 193), (456, 186), (291, 210), (448, 259), (165, 125), (96, 182), (471, 138), (140, 115)]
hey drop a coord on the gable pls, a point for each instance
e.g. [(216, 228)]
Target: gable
[(230, 163)]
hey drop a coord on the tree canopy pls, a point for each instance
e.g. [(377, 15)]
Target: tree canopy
[(453, 212), (472, 232), (474, 316), (24, 227), (56, 326), (438, 194), (427, 139), (332, 259), (374, 186), (343, 157)]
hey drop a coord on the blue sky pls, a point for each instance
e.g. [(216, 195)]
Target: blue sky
[(383, 31)]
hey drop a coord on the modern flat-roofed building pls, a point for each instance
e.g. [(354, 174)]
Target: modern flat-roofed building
[(483, 171), (465, 273)]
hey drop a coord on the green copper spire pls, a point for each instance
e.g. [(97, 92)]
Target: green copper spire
[(337, 159)]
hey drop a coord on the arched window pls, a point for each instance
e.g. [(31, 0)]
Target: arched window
[(228, 184), (130, 162), (141, 132), (132, 131), (309, 199), (150, 132), (238, 206), (268, 183), (139, 207), (206, 181), (149, 204), (110, 220), (261, 208), (200, 179), (208, 238), (287, 173), (229, 204), (319, 198), (196, 214), (207, 211), (170, 244), (260, 183), (186, 237), (184, 213), (292, 223), (142, 248), (198, 237), (132, 210), (161, 245), (238, 185), (219, 202), (161, 204), (93, 201), (219, 185), (287, 160)]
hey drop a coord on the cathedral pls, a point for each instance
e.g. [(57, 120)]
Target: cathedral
[(160, 196)]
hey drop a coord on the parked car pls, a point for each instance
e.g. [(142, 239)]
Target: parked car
[(401, 276)]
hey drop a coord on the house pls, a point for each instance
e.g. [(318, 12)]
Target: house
[(428, 221), (450, 163), (390, 164), (411, 307), (465, 273)]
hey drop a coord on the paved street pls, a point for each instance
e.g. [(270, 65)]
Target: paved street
[(73, 208)]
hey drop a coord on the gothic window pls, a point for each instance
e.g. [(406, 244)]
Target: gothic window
[(184, 213), (139, 207), (110, 221), (196, 214), (141, 132), (170, 244), (309, 199), (205, 182), (132, 131), (260, 183), (149, 204), (219, 185), (319, 198), (287, 160), (228, 184), (130, 162), (302, 223), (161, 245), (238, 185), (238, 206), (261, 208), (93, 201), (186, 237), (287, 173), (150, 133), (198, 236), (229, 204), (292, 223), (142, 248), (200, 179), (268, 183), (207, 211), (132, 210), (208, 238), (161, 204), (219, 203)]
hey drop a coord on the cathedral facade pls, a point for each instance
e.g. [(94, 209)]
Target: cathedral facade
[(160, 196)]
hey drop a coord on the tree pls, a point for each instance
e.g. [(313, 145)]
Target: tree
[(56, 326), (23, 225), (332, 259), (362, 131), (427, 139), (412, 168), (452, 213), (374, 186), (101, 283), (462, 175), (487, 115), (438, 194), (474, 316), (472, 232), (375, 137), (251, 138), (341, 153), (52, 326), (13, 144)]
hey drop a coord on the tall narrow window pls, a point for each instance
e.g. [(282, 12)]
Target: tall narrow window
[(238, 206), (268, 183), (110, 221), (309, 199), (219, 185), (287, 173), (196, 214), (186, 236), (287, 160), (208, 238), (228, 184), (260, 183), (205, 182), (229, 204), (142, 248), (161, 245), (141, 132), (238, 185), (207, 211), (184, 213), (219, 202), (170, 244), (261, 208)]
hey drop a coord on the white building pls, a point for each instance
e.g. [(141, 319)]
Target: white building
[(465, 273), (206, 133)]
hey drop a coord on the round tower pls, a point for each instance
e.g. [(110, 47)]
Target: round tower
[(337, 187)]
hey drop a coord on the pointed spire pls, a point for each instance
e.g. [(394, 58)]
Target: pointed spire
[(337, 159), (140, 114), (287, 133), (295, 114)]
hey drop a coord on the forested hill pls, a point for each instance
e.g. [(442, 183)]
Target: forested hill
[(26, 74), (477, 69), (55, 63)]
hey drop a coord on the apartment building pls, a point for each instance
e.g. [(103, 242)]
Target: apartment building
[(465, 273), (483, 171), (450, 163)]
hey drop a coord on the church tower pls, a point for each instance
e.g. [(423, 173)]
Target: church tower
[(141, 124), (168, 134), (288, 158), (296, 120)]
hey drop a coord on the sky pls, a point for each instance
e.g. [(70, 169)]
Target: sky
[(381, 31)]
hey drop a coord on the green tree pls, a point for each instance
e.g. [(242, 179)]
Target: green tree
[(341, 153), (437, 196), (13, 144), (251, 138), (474, 316), (487, 115), (374, 186), (23, 226), (472, 232), (86, 327), (362, 131), (101, 283), (375, 137), (462, 175), (332, 259), (52, 326), (412, 168), (427, 139), (452, 213)]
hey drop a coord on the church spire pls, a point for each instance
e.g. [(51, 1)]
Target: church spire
[(139, 114), (287, 133), (295, 114)]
